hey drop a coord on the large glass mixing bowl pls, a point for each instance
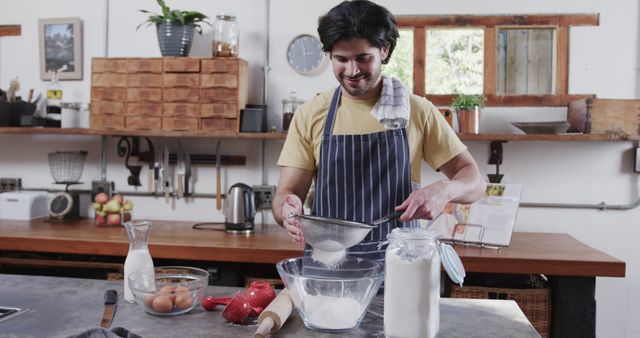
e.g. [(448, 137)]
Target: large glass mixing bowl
[(331, 299)]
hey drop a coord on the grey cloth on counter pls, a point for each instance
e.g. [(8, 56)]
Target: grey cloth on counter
[(100, 332)]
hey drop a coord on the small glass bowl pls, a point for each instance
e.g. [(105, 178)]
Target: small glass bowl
[(170, 291)]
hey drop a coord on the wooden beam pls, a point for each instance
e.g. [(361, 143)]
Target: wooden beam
[(490, 60), (419, 58), (562, 62), (516, 100), (10, 30), (589, 19)]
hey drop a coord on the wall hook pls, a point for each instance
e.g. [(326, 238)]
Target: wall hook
[(124, 150), (496, 158)]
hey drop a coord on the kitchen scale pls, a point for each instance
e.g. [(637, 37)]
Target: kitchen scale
[(66, 168)]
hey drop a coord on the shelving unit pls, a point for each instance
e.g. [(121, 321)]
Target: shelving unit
[(282, 136), (10, 30), (150, 133)]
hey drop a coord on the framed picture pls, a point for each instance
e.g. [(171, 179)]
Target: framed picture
[(60, 48)]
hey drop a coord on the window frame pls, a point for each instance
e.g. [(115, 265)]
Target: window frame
[(491, 23)]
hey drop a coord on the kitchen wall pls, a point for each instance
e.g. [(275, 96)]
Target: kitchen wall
[(603, 60)]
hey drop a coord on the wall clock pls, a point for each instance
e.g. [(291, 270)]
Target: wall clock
[(305, 55)]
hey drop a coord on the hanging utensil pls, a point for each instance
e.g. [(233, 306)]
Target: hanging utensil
[(166, 174), (180, 170), (187, 174), (158, 170), (218, 179)]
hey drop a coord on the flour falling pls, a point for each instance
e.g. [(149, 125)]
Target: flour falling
[(331, 254)]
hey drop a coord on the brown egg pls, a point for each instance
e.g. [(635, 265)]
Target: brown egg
[(148, 299), (162, 304), (168, 291), (182, 290), (184, 300)]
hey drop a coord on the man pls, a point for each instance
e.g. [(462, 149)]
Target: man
[(363, 142)]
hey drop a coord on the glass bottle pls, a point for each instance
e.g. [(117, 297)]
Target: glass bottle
[(225, 36), (138, 257), (412, 281), (54, 97)]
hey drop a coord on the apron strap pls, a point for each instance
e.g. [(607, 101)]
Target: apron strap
[(331, 116)]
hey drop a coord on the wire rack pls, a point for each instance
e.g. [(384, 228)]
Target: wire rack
[(66, 166)]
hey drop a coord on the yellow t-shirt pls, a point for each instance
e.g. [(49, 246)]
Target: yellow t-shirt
[(429, 136)]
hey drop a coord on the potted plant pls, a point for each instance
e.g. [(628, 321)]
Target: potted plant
[(175, 28), (468, 108)]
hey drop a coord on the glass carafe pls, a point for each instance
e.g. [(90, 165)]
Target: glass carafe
[(138, 257)]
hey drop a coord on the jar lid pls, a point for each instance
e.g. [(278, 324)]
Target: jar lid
[(452, 263), (402, 233)]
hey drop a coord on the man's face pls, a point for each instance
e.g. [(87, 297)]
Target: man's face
[(357, 66)]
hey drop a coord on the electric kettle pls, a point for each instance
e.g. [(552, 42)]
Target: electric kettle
[(240, 208)]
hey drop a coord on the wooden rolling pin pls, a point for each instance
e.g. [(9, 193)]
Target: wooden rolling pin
[(274, 315)]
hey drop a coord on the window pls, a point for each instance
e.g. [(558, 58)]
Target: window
[(401, 63), (514, 60), (454, 61)]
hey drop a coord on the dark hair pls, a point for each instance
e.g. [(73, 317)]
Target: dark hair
[(359, 19)]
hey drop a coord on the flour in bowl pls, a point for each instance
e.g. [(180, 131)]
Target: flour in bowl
[(333, 313)]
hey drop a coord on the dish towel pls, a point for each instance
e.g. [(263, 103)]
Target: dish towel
[(392, 109)]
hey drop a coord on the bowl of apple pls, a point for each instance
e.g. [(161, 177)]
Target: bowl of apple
[(112, 211)]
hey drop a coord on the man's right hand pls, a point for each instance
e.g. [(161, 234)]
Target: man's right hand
[(292, 206)]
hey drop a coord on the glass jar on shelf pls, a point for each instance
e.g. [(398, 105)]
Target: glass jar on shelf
[(289, 106), (225, 36)]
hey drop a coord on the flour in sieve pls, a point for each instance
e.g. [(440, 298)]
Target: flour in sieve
[(333, 313), (330, 259)]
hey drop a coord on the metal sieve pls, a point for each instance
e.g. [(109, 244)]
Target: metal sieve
[(331, 234)]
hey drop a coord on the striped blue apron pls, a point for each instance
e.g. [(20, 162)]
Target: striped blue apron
[(362, 178)]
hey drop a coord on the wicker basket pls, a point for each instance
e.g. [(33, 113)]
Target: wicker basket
[(535, 303)]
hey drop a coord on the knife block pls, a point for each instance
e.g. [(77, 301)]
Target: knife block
[(11, 113)]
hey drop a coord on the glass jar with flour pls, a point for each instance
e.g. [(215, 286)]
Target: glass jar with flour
[(412, 282)]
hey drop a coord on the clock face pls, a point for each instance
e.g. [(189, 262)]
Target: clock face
[(305, 54)]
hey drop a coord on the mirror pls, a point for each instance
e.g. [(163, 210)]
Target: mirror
[(526, 61)]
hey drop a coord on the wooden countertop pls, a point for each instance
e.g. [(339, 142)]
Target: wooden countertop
[(167, 239), (545, 253), (553, 254)]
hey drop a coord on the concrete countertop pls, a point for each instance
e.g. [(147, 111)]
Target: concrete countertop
[(66, 306)]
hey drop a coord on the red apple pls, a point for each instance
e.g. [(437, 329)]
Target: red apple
[(113, 219), (101, 220), (126, 217), (119, 198), (101, 198)]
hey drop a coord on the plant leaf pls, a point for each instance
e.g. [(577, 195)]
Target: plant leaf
[(165, 9)]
